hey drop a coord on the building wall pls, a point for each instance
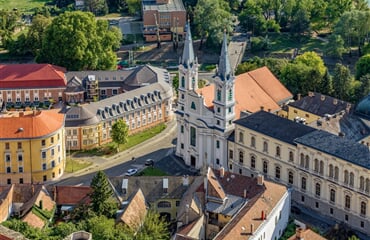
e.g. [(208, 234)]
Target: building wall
[(32, 160), (319, 180), (172, 210), (31, 95), (295, 112), (6, 205)]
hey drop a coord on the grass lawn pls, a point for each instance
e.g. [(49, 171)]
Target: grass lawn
[(284, 43), (152, 171), (74, 165), (22, 5)]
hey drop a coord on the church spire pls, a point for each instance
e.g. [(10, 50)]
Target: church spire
[(188, 52), (224, 69)]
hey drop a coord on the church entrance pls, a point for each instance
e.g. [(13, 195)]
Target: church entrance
[(192, 161)]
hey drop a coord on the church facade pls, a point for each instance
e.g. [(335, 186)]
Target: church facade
[(205, 116)]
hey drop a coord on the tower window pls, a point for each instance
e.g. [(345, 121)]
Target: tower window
[(193, 106), (192, 136), (183, 81), (218, 95), (230, 94)]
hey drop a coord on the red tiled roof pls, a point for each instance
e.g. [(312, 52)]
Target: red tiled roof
[(3, 237), (135, 211), (72, 195), (214, 188), (31, 76), (306, 234), (31, 124), (252, 90)]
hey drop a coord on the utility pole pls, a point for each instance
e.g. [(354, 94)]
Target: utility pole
[(157, 31)]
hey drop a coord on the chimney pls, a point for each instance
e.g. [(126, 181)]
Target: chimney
[(252, 229), (269, 110), (262, 215), (260, 180), (21, 114), (185, 180), (222, 172), (299, 96), (348, 107), (262, 108), (311, 94), (245, 193), (322, 97), (299, 234), (335, 101)]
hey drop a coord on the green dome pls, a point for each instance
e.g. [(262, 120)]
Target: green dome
[(363, 107)]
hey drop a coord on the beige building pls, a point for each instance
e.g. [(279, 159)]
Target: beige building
[(329, 174)]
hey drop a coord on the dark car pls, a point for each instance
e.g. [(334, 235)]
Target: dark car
[(149, 162)]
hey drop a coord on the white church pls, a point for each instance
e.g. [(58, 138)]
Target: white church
[(205, 116)]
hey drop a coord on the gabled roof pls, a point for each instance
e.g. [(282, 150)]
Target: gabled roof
[(320, 104), (191, 231), (306, 234), (214, 188), (135, 210), (274, 126), (33, 124), (31, 76), (253, 90), (74, 85), (72, 195)]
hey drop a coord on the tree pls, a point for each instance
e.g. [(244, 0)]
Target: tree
[(363, 66), (119, 132), (153, 227), (300, 21), (8, 23), (36, 32), (102, 227), (335, 46), (311, 59), (342, 79), (117, 5), (327, 84), (133, 6), (98, 7), (77, 41), (101, 195)]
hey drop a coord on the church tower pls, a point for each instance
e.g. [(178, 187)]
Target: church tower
[(188, 71), (224, 100)]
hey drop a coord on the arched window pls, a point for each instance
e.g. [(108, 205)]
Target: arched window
[(321, 167), (253, 161), (241, 156), (290, 177), (164, 204), (336, 173), (277, 172), (302, 160), (241, 137), (307, 162), (316, 165), (363, 208), (362, 183), (277, 151), (346, 177), (183, 81), (230, 94), (367, 185), (193, 106), (331, 171), (332, 195), (303, 183), (351, 179), (347, 202), (218, 95), (265, 146), (318, 189), (291, 156), (265, 167), (253, 141)]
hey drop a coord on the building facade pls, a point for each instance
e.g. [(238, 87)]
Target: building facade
[(328, 174), (205, 116), (32, 147)]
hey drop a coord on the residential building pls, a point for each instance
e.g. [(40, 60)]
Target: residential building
[(168, 17), (31, 84), (328, 174), (205, 116), (306, 233), (32, 146)]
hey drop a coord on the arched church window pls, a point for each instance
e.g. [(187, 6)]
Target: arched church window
[(193, 106), (230, 94), (218, 95), (183, 81)]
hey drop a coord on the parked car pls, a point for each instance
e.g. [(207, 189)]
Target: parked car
[(131, 172), (149, 162)]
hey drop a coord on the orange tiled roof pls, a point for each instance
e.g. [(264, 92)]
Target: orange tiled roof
[(135, 211), (31, 76), (72, 195), (307, 234), (31, 124), (214, 188), (252, 90)]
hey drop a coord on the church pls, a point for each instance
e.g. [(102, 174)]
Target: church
[(205, 116)]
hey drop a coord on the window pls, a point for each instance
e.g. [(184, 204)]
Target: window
[(20, 169), (218, 110), (362, 183), (277, 172), (278, 151), (253, 161), (363, 208), (44, 166), (177, 203), (21, 180), (302, 198), (265, 167), (301, 163), (362, 224), (318, 189), (217, 161), (346, 217), (20, 157), (307, 162), (241, 156), (317, 204), (43, 155), (182, 146), (183, 81), (217, 144), (346, 177), (52, 152), (347, 202), (52, 139), (164, 204), (241, 137), (321, 171), (102, 92), (193, 106), (331, 211), (52, 163), (291, 156), (7, 146), (7, 157), (193, 136), (218, 95), (290, 177), (230, 94), (114, 91), (240, 171), (316, 165), (351, 179), (336, 173), (303, 183), (19, 145), (182, 129), (231, 154), (253, 141), (42, 142), (9, 181), (332, 195), (44, 178), (367, 185), (331, 171), (8, 169), (265, 146)]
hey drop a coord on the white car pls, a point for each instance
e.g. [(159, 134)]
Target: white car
[(131, 172)]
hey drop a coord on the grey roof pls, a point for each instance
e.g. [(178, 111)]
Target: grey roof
[(231, 205), (274, 126), (75, 85), (340, 147), (188, 52), (320, 104), (224, 69), (171, 6), (363, 107)]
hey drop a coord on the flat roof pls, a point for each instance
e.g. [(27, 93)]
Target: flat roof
[(172, 6)]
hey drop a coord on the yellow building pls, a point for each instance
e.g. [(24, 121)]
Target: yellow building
[(32, 146)]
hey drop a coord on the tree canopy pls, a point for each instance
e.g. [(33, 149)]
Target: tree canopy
[(363, 66), (101, 197), (119, 132), (77, 41)]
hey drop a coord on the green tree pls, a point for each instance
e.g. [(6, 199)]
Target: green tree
[(363, 66), (77, 41), (300, 21), (154, 227), (63, 229), (134, 6), (8, 23), (364, 89), (98, 7), (119, 132), (327, 84), (102, 227), (117, 5), (36, 32), (311, 59), (335, 46), (342, 80), (101, 196)]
